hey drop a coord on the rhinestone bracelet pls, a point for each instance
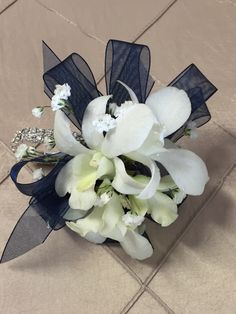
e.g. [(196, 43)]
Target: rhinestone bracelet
[(36, 136)]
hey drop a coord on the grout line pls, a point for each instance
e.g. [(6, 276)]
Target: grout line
[(71, 22), (159, 300), (4, 178), (132, 301), (155, 20), (188, 227), (223, 129), (125, 266), (8, 6)]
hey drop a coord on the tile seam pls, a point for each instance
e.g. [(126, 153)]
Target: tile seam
[(8, 6), (133, 300), (60, 15), (154, 20), (123, 265), (223, 129), (159, 300), (199, 212)]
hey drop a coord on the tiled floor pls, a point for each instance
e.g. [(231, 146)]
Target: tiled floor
[(193, 269)]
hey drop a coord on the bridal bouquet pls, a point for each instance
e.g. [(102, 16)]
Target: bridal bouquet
[(120, 165)]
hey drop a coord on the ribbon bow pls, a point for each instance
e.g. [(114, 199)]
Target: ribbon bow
[(126, 62)]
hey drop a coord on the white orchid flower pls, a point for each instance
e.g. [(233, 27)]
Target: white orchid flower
[(78, 177), (105, 150), (136, 131), (161, 207), (172, 108), (108, 222)]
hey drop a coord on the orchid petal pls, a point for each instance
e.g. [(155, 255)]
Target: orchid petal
[(91, 223), (132, 94), (112, 214), (82, 200), (137, 123), (77, 171), (95, 108), (74, 214), (78, 178), (154, 143), (166, 184), (188, 170), (139, 206), (153, 183), (106, 167), (117, 233), (124, 183), (65, 179), (65, 141), (171, 106), (136, 246), (94, 237), (162, 209)]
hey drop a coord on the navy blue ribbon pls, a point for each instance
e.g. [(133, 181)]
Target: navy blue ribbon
[(127, 62)]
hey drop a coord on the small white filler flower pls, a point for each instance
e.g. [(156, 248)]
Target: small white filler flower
[(61, 93), (37, 111), (132, 220), (191, 130), (21, 151)]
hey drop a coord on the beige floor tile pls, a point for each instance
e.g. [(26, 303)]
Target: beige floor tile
[(104, 20), (13, 202), (21, 61), (202, 32), (4, 4), (64, 275), (217, 149), (6, 161), (199, 276), (148, 305)]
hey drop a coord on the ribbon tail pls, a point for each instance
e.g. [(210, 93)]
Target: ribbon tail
[(50, 60), (35, 225), (30, 231)]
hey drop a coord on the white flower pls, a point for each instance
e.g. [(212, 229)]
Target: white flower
[(102, 200), (138, 135), (21, 151), (37, 112), (132, 220), (38, 174), (78, 177), (62, 91), (104, 123), (179, 196), (106, 222), (127, 137), (191, 130), (121, 110), (161, 207), (57, 103)]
